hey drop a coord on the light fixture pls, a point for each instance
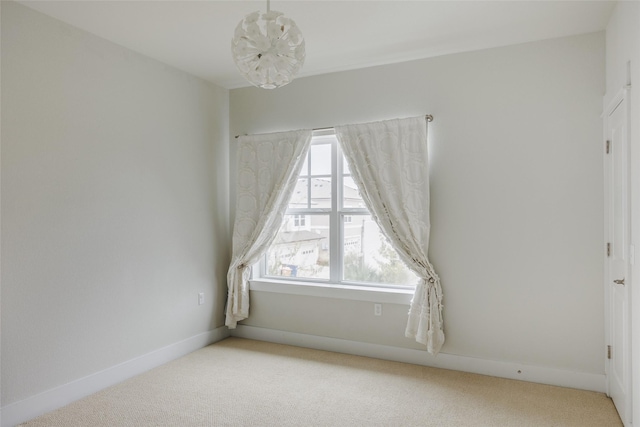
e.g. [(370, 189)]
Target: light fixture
[(268, 48)]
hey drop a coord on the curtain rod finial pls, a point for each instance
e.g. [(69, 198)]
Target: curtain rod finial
[(429, 117)]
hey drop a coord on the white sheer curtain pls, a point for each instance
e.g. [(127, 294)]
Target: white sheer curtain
[(267, 171), (390, 165)]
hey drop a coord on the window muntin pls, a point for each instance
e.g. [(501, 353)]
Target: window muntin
[(327, 233)]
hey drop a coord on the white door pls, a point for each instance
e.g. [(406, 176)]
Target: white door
[(617, 268)]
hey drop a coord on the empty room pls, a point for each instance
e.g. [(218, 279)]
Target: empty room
[(319, 213)]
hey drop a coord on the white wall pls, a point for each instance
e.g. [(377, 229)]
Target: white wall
[(623, 45), (517, 197), (114, 204)]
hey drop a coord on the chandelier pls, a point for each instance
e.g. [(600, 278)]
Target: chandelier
[(268, 48)]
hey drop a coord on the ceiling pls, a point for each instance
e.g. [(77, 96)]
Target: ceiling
[(195, 36)]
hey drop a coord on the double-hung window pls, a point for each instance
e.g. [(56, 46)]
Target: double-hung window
[(328, 234)]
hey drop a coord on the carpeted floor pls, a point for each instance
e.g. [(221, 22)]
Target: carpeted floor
[(238, 382)]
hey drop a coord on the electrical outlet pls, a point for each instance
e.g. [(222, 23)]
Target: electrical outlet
[(201, 298), (377, 309)]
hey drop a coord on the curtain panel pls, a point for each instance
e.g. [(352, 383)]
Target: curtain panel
[(267, 169), (390, 165)]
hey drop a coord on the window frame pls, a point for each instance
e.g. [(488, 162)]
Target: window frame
[(336, 214)]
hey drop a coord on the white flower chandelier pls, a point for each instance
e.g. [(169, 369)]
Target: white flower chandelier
[(268, 48)]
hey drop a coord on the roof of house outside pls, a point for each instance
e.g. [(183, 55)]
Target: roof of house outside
[(296, 236), (321, 190)]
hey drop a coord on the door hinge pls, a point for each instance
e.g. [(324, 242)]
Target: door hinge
[(608, 249), (608, 146), (608, 352)]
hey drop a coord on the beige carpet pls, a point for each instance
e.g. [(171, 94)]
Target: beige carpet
[(239, 382)]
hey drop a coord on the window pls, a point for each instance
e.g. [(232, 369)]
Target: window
[(299, 220), (327, 233)]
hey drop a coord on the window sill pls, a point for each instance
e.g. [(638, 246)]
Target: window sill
[(356, 293)]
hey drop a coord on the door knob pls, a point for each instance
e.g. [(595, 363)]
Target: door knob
[(619, 281)]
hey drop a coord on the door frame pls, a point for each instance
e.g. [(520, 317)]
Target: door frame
[(620, 100)]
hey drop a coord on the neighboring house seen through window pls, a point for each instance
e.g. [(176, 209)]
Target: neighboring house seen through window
[(328, 233)]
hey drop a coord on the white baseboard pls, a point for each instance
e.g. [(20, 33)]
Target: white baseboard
[(536, 374), (31, 407)]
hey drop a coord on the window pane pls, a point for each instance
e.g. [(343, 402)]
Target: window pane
[(321, 192), (351, 197), (345, 167), (301, 248), (300, 196), (368, 257), (304, 171), (320, 159)]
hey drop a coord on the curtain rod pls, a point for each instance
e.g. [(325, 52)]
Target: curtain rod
[(428, 117)]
